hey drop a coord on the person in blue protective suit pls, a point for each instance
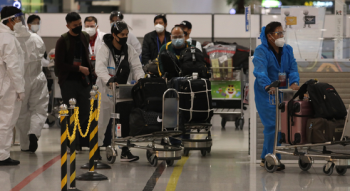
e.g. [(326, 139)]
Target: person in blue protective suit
[(273, 60)]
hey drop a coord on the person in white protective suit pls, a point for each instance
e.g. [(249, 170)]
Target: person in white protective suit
[(116, 62), (34, 106), (11, 79)]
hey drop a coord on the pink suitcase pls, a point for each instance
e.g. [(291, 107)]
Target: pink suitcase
[(298, 130)]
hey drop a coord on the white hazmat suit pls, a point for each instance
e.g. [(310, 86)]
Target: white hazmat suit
[(104, 59), (34, 106), (11, 84)]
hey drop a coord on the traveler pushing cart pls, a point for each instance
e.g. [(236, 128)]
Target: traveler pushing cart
[(159, 147), (339, 161)]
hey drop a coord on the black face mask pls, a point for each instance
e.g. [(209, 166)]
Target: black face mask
[(185, 33), (122, 41), (77, 30)]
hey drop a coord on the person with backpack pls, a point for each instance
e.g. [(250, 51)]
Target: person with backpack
[(187, 28), (273, 60), (73, 68), (116, 62)]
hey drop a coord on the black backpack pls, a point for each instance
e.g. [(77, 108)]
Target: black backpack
[(148, 94), (325, 100), (192, 60)]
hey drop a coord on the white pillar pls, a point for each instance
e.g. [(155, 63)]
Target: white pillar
[(252, 112), (340, 20)]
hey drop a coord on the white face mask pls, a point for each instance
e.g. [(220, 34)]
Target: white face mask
[(159, 28), (35, 28), (91, 31), (280, 42), (17, 27)]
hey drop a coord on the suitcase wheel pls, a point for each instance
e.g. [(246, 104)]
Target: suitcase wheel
[(329, 171), (111, 154), (304, 166), (341, 170), (170, 162)]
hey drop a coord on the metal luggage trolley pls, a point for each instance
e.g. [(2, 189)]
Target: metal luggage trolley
[(204, 145), (227, 100), (159, 147), (56, 100), (339, 161)]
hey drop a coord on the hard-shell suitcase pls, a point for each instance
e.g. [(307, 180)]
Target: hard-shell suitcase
[(195, 99), (297, 132)]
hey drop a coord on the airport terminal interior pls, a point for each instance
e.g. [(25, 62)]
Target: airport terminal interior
[(184, 95)]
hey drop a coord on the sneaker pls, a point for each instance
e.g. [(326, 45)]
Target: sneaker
[(127, 156), (33, 146), (46, 126), (9, 162), (281, 166), (262, 163)]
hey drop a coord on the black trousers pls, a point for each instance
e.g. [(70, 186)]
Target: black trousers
[(75, 89)]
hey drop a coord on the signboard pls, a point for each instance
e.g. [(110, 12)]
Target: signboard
[(247, 18), (226, 90)]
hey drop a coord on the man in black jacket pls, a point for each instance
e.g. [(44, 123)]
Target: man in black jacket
[(154, 40)]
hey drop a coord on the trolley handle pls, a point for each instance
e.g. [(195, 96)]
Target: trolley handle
[(273, 84)]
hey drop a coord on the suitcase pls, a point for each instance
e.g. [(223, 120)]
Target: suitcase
[(320, 130), (148, 94), (144, 122), (196, 109), (297, 134)]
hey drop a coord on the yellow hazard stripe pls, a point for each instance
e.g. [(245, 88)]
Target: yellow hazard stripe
[(93, 133), (64, 158), (92, 152), (72, 177), (63, 137), (174, 178), (64, 182), (61, 119), (94, 115), (72, 157), (72, 118)]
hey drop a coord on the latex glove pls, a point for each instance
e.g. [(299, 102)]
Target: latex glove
[(20, 96), (51, 54), (44, 62), (111, 81), (294, 87)]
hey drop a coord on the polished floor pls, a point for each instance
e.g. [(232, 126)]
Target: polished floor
[(226, 168)]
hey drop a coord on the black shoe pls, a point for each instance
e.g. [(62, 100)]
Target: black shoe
[(26, 151), (126, 156), (9, 162), (33, 146), (98, 155), (281, 167)]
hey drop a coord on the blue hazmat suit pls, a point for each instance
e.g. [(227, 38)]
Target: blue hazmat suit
[(266, 71)]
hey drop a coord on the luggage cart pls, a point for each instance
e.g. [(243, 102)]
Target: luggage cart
[(56, 100), (204, 145), (229, 107), (339, 161), (159, 147)]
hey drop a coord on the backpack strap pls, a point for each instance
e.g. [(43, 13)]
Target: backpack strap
[(87, 36), (66, 40), (194, 43)]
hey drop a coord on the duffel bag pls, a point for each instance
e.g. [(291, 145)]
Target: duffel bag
[(335, 129), (144, 122), (148, 94), (320, 130)]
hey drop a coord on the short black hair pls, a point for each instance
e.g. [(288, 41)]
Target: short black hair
[(176, 26), (116, 14), (72, 16), (118, 27), (8, 11), (90, 18), (31, 18), (271, 27), (160, 16)]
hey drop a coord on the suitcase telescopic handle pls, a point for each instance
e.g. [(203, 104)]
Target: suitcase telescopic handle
[(273, 84)]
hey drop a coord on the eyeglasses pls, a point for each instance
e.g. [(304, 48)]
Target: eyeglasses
[(279, 33)]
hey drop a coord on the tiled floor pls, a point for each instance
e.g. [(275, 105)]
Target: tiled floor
[(226, 168)]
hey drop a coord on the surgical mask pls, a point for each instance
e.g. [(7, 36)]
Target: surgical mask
[(280, 42), (17, 27), (122, 41), (35, 28), (77, 30), (91, 31), (159, 28), (178, 42)]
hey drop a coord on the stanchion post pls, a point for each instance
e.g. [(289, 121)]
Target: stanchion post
[(92, 175), (73, 146), (63, 120)]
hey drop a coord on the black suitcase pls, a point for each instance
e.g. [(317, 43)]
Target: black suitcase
[(144, 122), (148, 94), (201, 103)]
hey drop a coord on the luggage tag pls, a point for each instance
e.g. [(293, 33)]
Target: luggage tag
[(93, 59), (282, 77)]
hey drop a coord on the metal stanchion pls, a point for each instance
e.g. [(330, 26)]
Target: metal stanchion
[(63, 119), (98, 163), (73, 145), (92, 175)]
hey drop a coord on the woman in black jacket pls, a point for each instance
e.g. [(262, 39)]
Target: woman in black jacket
[(154, 40)]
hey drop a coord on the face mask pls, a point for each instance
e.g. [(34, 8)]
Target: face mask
[(185, 33), (17, 27), (35, 28), (178, 42), (122, 41), (91, 31), (280, 42), (159, 28), (77, 30)]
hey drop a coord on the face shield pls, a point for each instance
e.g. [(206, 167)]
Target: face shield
[(120, 26), (17, 18)]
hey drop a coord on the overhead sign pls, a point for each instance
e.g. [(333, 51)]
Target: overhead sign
[(17, 4), (247, 18)]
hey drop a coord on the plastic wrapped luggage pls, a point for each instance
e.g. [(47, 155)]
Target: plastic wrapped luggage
[(298, 117), (144, 122), (195, 99)]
